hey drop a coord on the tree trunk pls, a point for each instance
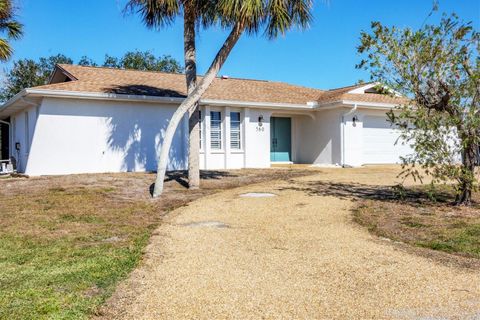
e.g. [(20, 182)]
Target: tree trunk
[(191, 78), (194, 148), (468, 174), (189, 102)]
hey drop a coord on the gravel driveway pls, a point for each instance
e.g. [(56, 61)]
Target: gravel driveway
[(293, 256)]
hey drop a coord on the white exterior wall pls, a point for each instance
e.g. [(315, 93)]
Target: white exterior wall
[(87, 136), (333, 138), (75, 136), (68, 136), (23, 128), (318, 140), (255, 140), (352, 146), (356, 139)]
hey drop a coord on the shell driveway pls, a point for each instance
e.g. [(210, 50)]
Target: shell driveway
[(293, 256)]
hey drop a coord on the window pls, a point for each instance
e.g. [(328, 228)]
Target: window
[(216, 130), (235, 132)]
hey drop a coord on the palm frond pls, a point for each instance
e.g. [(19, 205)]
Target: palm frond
[(275, 16), (14, 29), (283, 15), (154, 13), (8, 27), (5, 50), (6, 10)]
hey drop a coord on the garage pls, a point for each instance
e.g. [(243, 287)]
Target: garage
[(379, 142)]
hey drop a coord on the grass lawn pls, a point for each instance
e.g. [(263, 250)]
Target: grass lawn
[(65, 242), (418, 221)]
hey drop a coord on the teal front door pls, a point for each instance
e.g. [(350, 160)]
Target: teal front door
[(280, 139)]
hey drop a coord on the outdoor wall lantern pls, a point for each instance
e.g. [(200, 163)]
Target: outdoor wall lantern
[(260, 120), (355, 119)]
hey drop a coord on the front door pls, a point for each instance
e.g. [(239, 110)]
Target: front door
[(280, 139)]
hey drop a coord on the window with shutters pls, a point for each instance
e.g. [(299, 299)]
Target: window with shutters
[(216, 130), (235, 131)]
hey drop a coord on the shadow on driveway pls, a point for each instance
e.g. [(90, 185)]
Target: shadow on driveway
[(361, 191)]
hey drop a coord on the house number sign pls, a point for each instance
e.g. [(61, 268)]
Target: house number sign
[(260, 127)]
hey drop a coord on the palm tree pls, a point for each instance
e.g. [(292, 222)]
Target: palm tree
[(274, 17), (8, 26), (161, 13)]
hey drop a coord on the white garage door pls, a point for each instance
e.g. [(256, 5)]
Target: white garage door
[(379, 142)]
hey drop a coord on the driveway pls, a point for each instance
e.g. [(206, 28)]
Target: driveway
[(293, 256)]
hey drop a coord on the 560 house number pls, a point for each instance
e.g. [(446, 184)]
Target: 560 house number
[(260, 129)]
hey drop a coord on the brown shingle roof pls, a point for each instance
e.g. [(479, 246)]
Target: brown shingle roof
[(108, 80), (343, 94), (133, 82)]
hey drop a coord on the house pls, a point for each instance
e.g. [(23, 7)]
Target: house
[(91, 120)]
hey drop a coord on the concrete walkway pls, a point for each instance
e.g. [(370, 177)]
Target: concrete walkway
[(293, 256)]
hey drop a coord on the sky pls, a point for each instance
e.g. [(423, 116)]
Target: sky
[(323, 56)]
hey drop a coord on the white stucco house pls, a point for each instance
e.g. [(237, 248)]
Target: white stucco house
[(93, 120)]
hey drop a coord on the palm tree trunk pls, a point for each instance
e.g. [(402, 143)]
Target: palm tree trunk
[(189, 102), (194, 148), (191, 78)]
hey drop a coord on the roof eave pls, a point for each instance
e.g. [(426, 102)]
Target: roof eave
[(360, 104), (7, 105), (371, 105), (268, 105), (150, 99), (101, 96)]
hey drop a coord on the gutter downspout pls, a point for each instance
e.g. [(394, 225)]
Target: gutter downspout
[(351, 111)]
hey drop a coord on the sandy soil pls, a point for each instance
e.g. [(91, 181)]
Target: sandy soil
[(293, 256)]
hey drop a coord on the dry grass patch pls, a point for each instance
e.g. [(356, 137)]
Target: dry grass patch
[(424, 218), (65, 242)]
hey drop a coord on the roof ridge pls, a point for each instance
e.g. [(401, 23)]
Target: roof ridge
[(117, 69), (352, 86), (64, 65)]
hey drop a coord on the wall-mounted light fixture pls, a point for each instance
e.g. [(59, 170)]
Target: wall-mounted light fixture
[(260, 120), (354, 120)]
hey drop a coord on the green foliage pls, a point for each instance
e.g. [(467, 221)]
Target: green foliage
[(399, 191), (272, 16), (111, 62), (9, 27), (145, 61), (27, 73), (438, 68), (87, 62)]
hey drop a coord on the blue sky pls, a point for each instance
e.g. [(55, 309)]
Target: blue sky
[(323, 56)]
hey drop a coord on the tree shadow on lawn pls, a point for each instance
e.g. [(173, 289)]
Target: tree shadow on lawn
[(417, 195), (181, 177), (432, 228)]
